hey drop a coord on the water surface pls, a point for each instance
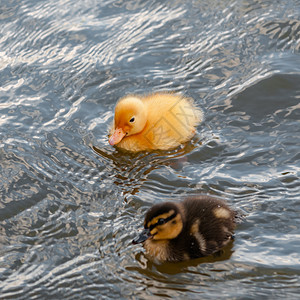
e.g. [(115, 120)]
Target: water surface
[(71, 204)]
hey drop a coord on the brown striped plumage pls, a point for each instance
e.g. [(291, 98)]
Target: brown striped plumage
[(195, 227)]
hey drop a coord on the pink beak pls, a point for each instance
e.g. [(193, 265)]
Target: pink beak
[(117, 136)]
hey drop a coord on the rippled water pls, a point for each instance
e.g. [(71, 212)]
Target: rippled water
[(71, 204)]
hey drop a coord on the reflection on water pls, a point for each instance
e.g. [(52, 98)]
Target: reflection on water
[(71, 204)]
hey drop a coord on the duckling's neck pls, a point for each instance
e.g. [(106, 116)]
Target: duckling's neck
[(167, 250), (158, 249)]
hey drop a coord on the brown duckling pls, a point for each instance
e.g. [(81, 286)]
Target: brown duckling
[(195, 227)]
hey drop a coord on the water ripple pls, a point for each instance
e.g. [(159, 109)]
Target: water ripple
[(71, 204)]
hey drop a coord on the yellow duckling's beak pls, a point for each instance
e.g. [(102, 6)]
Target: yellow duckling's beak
[(145, 234), (117, 136)]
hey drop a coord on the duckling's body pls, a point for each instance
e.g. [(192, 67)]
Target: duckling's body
[(195, 227), (157, 121)]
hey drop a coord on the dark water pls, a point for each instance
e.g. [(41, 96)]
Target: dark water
[(69, 212)]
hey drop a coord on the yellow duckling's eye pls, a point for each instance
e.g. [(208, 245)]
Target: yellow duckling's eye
[(132, 120)]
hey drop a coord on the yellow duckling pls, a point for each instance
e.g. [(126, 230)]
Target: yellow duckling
[(195, 227), (157, 121)]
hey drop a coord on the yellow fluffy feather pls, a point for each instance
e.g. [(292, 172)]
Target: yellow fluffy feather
[(157, 121)]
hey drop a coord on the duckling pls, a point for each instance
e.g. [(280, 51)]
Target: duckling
[(196, 227), (157, 121)]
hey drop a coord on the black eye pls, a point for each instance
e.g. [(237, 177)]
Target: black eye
[(132, 120), (160, 221)]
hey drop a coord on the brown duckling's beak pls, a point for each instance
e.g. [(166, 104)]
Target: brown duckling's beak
[(145, 234)]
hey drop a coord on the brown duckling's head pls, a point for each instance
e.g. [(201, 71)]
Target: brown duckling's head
[(162, 222)]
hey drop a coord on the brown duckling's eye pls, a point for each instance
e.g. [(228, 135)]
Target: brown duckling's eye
[(160, 221), (132, 120)]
